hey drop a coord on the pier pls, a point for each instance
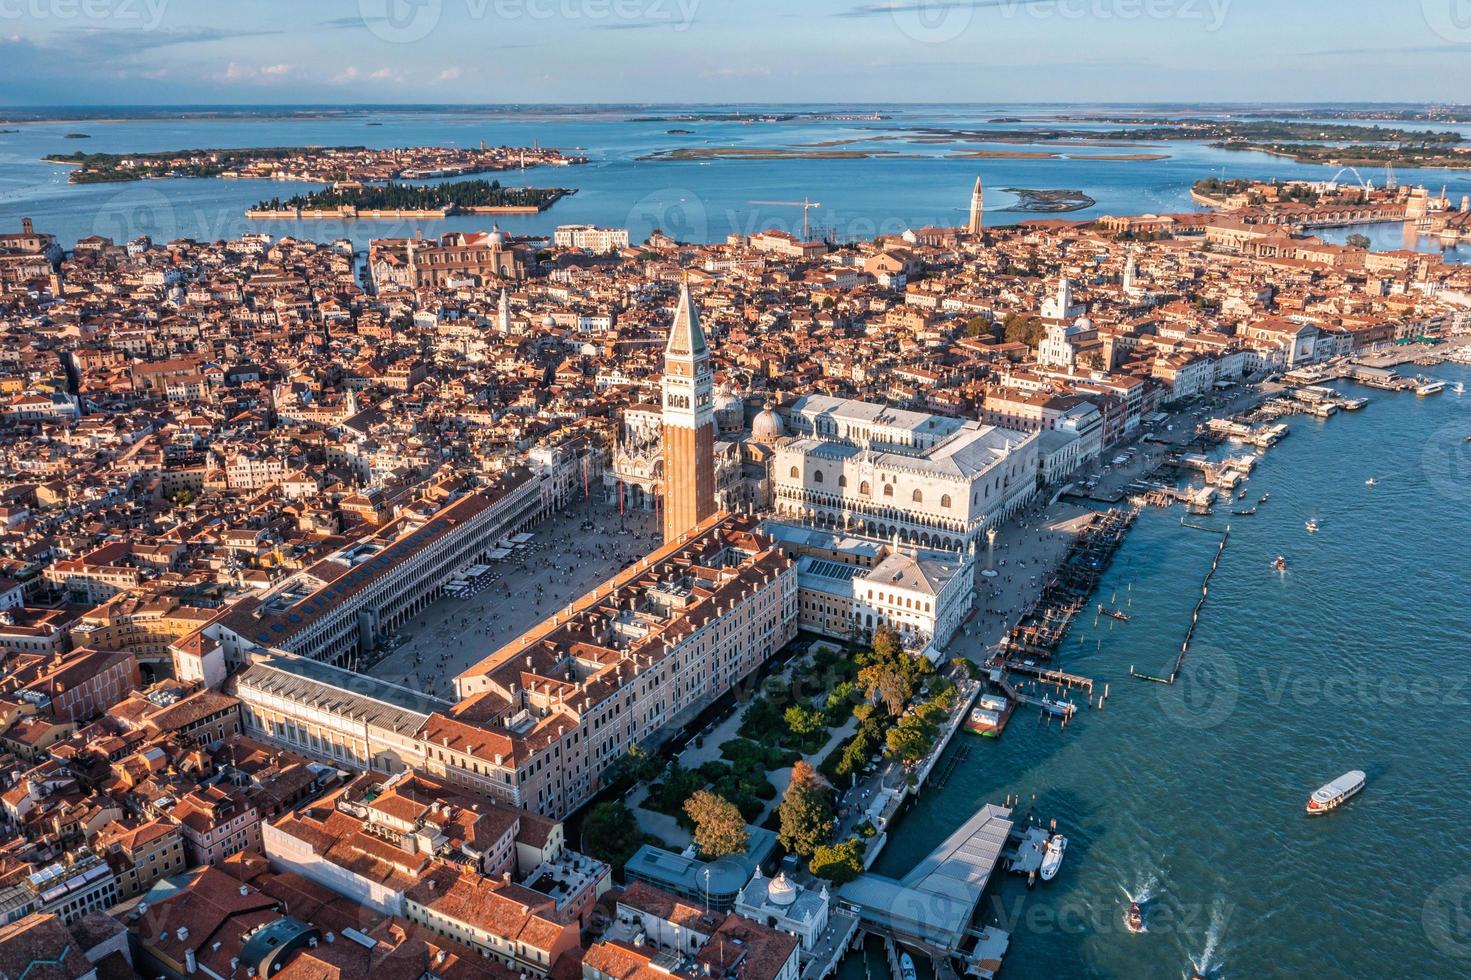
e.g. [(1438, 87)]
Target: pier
[(1205, 588)]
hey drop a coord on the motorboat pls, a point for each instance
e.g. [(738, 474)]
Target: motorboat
[(1280, 564), (906, 967), (1459, 388), (1245, 512), (1117, 614), (1371, 481), (1336, 793), (1052, 857), (1312, 525), (1265, 496), (1134, 918), (1430, 388)]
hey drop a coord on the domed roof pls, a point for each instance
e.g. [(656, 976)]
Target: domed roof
[(767, 425), (781, 891), (727, 400), (496, 238)]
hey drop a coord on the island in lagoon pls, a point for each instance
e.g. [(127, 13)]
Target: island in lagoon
[(412, 201)]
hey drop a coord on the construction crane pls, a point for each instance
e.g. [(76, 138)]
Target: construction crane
[(804, 204)]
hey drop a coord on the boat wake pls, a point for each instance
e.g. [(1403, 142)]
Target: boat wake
[(1208, 965), (1144, 892)]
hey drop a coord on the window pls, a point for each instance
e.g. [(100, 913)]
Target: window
[(918, 497), (864, 490), (888, 489), (842, 480), (817, 476), (945, 501), (795, 474)]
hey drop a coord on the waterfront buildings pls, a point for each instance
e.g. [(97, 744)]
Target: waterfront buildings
[(590, 238), (932, 481)]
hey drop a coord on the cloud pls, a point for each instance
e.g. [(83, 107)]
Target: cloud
[(888, 9), (448, 74)]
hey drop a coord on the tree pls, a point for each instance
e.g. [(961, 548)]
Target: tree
[(806, 811), (719, 829), (907, 742), (1358, 241), (838, 863), (1019, 328), (610, 833), (886, 645), (888, 684), (802, 720)]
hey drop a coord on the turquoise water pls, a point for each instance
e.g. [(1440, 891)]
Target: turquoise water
[(1355, 659), (692, 200)]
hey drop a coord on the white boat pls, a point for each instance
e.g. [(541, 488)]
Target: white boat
[(1336, 793), (1458, 388), (906, 967), (1370, 482), (1313, 526), (1052, 859), (1058, 707), (1430, 388)]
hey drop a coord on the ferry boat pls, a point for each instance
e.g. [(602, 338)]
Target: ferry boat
[(1336, 793), (1134, 918), (1052, 859), (1430, 388), (1312, 525), (906, 967)]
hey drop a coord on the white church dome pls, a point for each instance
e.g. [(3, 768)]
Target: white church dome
[(767, 426), (781, 891)]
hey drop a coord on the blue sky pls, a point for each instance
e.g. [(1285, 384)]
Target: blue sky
[(355, 51)]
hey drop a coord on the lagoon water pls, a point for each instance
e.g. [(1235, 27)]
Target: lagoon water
[(923, 183), (1194, 794)]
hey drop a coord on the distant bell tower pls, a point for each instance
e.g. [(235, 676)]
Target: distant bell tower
[(977, 223), (689, 423)]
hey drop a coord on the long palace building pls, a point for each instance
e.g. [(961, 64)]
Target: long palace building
[(540, 719)]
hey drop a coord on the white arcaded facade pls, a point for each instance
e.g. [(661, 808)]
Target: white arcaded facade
[(930, 480)]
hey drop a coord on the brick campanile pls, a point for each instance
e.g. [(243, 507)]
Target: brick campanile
[(689, 423)]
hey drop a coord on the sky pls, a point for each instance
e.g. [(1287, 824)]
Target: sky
[(163, 52)]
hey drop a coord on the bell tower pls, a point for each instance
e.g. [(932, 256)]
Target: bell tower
[(689, 423)]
